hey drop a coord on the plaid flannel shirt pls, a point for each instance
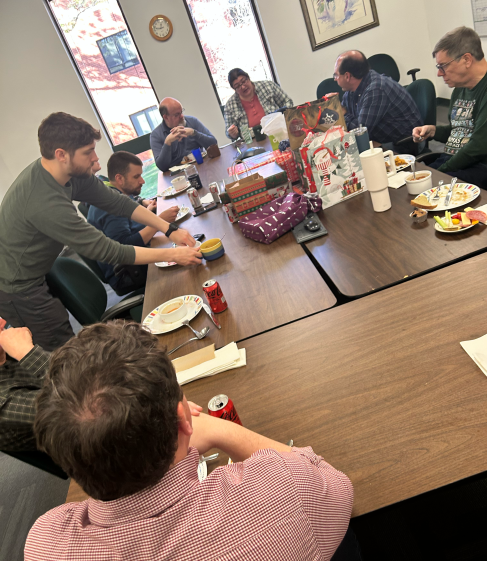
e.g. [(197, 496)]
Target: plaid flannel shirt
[(271, 97), (20, 383), (383, 106)]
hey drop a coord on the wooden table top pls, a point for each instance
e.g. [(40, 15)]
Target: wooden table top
[(366, 250), (265, 285), (380, 387)]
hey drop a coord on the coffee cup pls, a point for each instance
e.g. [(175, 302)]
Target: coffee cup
[(420, 184), (179, 183), (173, 310)]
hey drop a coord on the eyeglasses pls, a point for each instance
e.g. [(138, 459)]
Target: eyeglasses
[(441, 67), (241, 83), (336, 75), (179, 113)]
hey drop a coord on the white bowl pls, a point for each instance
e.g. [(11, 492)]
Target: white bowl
[(418, 186), (179, 183), (173, 310)]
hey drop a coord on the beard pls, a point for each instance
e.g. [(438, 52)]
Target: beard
[(81, 173)]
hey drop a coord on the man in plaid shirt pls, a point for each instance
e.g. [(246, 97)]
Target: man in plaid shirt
[(375, 101), (114, 417), (21, 376)]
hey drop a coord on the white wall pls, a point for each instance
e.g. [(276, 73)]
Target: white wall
[(37, 76)]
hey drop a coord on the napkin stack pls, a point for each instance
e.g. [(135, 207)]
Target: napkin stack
[(477, 350), (208, 362), (399, 179)]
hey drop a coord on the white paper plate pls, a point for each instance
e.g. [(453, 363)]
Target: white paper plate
[(171, 192), (183, 211), (165, 264), (473, 189), (440, 229), (158, 327), (408, 157)]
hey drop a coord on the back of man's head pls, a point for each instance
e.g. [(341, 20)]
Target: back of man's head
[(119, 163), (107, 413), (460, 41), (61, 130), (354, 62)]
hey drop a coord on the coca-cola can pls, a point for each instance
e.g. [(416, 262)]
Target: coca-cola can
[(215, 297), (231, 212), (213, 187), (194, 198), (222, 406)]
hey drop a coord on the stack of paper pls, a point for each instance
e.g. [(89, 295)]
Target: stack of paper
[(208, 362), (477, 350)]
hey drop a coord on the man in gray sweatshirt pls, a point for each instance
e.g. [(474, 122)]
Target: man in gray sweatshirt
[(38, 218)]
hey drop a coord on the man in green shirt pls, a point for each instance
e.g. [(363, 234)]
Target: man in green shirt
[(460, 61), (38, 218)]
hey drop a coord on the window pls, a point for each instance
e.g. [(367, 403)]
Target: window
[(229, 35), (118, 51), (146, 121)]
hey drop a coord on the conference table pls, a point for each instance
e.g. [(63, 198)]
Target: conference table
[(367, 251), (380, 386)]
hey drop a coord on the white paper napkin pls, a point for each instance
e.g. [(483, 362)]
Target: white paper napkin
[(207, 198), (399, 179), (226, 358), (477, 350)]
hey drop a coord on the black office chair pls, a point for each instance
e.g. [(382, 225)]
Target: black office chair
[(385, 64), (85, 297), (39, 460), (424, 94), (328, 86)]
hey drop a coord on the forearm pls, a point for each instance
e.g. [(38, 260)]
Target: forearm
[(147, 234), (204, 140), (163, 160), (144, 216), (146, 255)]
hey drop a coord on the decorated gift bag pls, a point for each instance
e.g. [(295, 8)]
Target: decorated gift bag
[(286, 161), (247, 194), (314, 116), (278, 217), (302, 164)]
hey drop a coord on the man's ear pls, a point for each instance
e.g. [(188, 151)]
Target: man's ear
[(60, 155), (183, 423)]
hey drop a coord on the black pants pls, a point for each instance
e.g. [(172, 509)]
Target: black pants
[(476, 174), (349, 549), (38, 310)]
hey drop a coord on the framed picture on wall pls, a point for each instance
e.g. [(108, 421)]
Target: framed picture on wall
[(329, 21)]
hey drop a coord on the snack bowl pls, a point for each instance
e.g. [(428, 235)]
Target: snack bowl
[(179, 183), (197, 245), (419, 215), (212, 249), (420, 184), (174, 310)]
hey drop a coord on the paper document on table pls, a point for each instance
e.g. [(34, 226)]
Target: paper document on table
[(399, 179), (208, 198), (176, 169), (477, 350), (226, 358)]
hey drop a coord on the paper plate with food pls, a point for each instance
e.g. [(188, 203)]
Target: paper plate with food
[(402, 161), (459, 222), (183, 211), (463, 194)]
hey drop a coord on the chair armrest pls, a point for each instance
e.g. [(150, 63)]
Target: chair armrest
[(122, 307), (413, 72), (429, 158)]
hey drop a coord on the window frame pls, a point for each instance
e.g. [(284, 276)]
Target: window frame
[(144, 112), (119, 33), (264, 42)]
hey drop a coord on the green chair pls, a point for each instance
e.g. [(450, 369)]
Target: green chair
[(83, 208), (136, 145), (424, 94), (385, 64), (328, 86), (85, 297)]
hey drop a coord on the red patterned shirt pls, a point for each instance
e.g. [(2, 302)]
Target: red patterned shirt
[(254, 111), (285, 506)]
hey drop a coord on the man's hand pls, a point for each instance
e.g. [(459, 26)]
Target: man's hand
[(186, 255), (152, 206), (186, 131), (176, 134), (182, 237), (170, 214), (424, 132), (204, 432), (16, 342), (233, 131), (195, 409)]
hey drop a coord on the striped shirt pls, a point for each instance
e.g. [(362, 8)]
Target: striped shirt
[(383, 106), (20, 383), (285, 506)]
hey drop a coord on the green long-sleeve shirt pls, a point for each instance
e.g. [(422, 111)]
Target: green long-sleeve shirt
[(466, 136), (38, 218)]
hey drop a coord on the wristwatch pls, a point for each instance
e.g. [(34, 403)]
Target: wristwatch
[(172, 228)]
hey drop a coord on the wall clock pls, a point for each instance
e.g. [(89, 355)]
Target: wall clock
[(160, 28)]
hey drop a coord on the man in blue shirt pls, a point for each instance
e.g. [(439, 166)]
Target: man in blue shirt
[(375, 101), (177, 135), (125, 175)]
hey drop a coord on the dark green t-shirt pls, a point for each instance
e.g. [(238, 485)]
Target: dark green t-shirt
[(38, 218), (466, 136)]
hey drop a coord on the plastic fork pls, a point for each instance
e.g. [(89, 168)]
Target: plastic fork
[(438, 189)]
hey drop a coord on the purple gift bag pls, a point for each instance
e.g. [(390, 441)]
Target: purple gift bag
[(277, 217)]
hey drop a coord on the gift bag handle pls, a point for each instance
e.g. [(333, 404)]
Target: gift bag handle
[(236, 163)]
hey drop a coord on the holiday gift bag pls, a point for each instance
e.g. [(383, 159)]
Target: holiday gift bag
[(314, 116), (335, 164), (248, 193), (278, 217)]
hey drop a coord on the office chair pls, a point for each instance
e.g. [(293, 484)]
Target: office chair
[(328, 86), (385, 64)]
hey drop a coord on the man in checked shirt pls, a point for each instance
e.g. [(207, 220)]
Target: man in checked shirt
[(114, 417), (375, 101)]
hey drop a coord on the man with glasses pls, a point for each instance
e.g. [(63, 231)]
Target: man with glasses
[(460, 61), (177, 135)]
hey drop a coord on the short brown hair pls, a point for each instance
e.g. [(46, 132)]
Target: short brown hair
[(460, 41), (234, 74), (107, 413), (61, 130), (119, 163)]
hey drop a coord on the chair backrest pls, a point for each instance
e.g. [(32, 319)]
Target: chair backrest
[(135, 146), (328, 86), (385, 64), (83, 208), (93, 265), (424, 94), (78, 289)]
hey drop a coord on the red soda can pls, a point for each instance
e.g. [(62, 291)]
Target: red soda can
[(231, 212), (222, 406), (194, 198), (214, 295), (213, 187)]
